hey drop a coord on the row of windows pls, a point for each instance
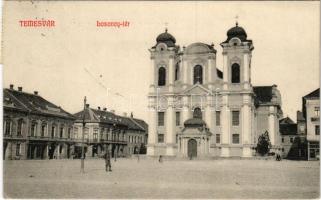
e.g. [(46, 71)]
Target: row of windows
[(235, 138), (198, 114), (197, 74), (33, 129)]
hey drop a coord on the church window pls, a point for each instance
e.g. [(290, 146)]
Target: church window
[(197, 113), (177, 71), (291, 139), (198, 74), (218, 138), (218, 118), (282, 139), (178, 118), (235, 118), (160, 138), (161, 76), (236, 138), (235, 73), (161, 118)]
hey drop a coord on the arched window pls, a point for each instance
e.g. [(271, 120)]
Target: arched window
[(198, 74), (235, 73), (177, 71), (197, 113), (161, 76)]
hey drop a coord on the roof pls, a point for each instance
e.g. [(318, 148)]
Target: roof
[(263, 94), (33, 103), (237, 31), (194, 122), (314, 94), (104, 116), (166, 38), (288, 129), (286, 120)]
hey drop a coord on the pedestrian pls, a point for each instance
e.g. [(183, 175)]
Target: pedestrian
[(107, 161), (160, 160)]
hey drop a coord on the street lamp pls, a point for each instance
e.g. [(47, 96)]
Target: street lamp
[(115, 151), (82, 165)]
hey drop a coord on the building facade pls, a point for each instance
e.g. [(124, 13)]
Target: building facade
[(34, 128), (311, 113), (186, 85), (106, 131)]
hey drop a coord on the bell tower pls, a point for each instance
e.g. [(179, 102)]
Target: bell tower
[(237, 94), (237, 53)]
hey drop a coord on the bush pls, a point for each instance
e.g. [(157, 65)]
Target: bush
[(263, 145)]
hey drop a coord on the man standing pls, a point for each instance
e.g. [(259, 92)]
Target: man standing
[(107, 161)]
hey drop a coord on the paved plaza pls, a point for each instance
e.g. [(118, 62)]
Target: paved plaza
[(170, 179)]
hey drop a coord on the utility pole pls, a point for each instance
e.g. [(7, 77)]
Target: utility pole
[(82, 166)]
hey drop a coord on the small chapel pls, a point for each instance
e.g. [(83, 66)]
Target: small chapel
[(200, 108)]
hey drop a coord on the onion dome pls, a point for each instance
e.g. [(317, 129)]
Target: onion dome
[(238, 32), (194, 122), (166, 38)]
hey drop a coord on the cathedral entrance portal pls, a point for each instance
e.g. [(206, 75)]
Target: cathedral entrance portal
[(192, 148)]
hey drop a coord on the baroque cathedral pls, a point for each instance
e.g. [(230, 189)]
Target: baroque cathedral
[(197, 110)]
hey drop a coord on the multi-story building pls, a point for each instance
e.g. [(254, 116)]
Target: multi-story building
[(196, 109), (104, 130), (34, 128), (294, 145), (311, 113)]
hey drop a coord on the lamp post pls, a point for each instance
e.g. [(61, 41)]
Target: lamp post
[(82, 165), (115, 150)]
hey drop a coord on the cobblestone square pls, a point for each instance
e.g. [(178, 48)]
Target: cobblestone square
[(171, 179)]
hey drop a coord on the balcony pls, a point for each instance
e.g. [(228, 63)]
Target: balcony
[(13, 137)]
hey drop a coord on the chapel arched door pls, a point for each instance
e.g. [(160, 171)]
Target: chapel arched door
[(192, 148)]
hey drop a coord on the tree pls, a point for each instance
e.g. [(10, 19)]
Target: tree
[(263, 145)]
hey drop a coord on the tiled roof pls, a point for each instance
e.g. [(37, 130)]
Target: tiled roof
[(314, 94), (32, 103), (102, 116), (142, 123), (286, 120), (263, 94), (288, 129)]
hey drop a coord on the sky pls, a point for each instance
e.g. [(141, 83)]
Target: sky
[(110, 65)]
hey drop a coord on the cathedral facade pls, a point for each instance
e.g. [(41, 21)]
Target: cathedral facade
[(197, 110)]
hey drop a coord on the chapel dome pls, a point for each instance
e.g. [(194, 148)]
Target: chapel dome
[(166, 38)]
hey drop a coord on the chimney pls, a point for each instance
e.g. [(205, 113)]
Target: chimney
[(131, 115), (113, 111), (125, 114), (11, 86), (35, 92), (105, 109), (98, 107), (87, 105), (20, 89)]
